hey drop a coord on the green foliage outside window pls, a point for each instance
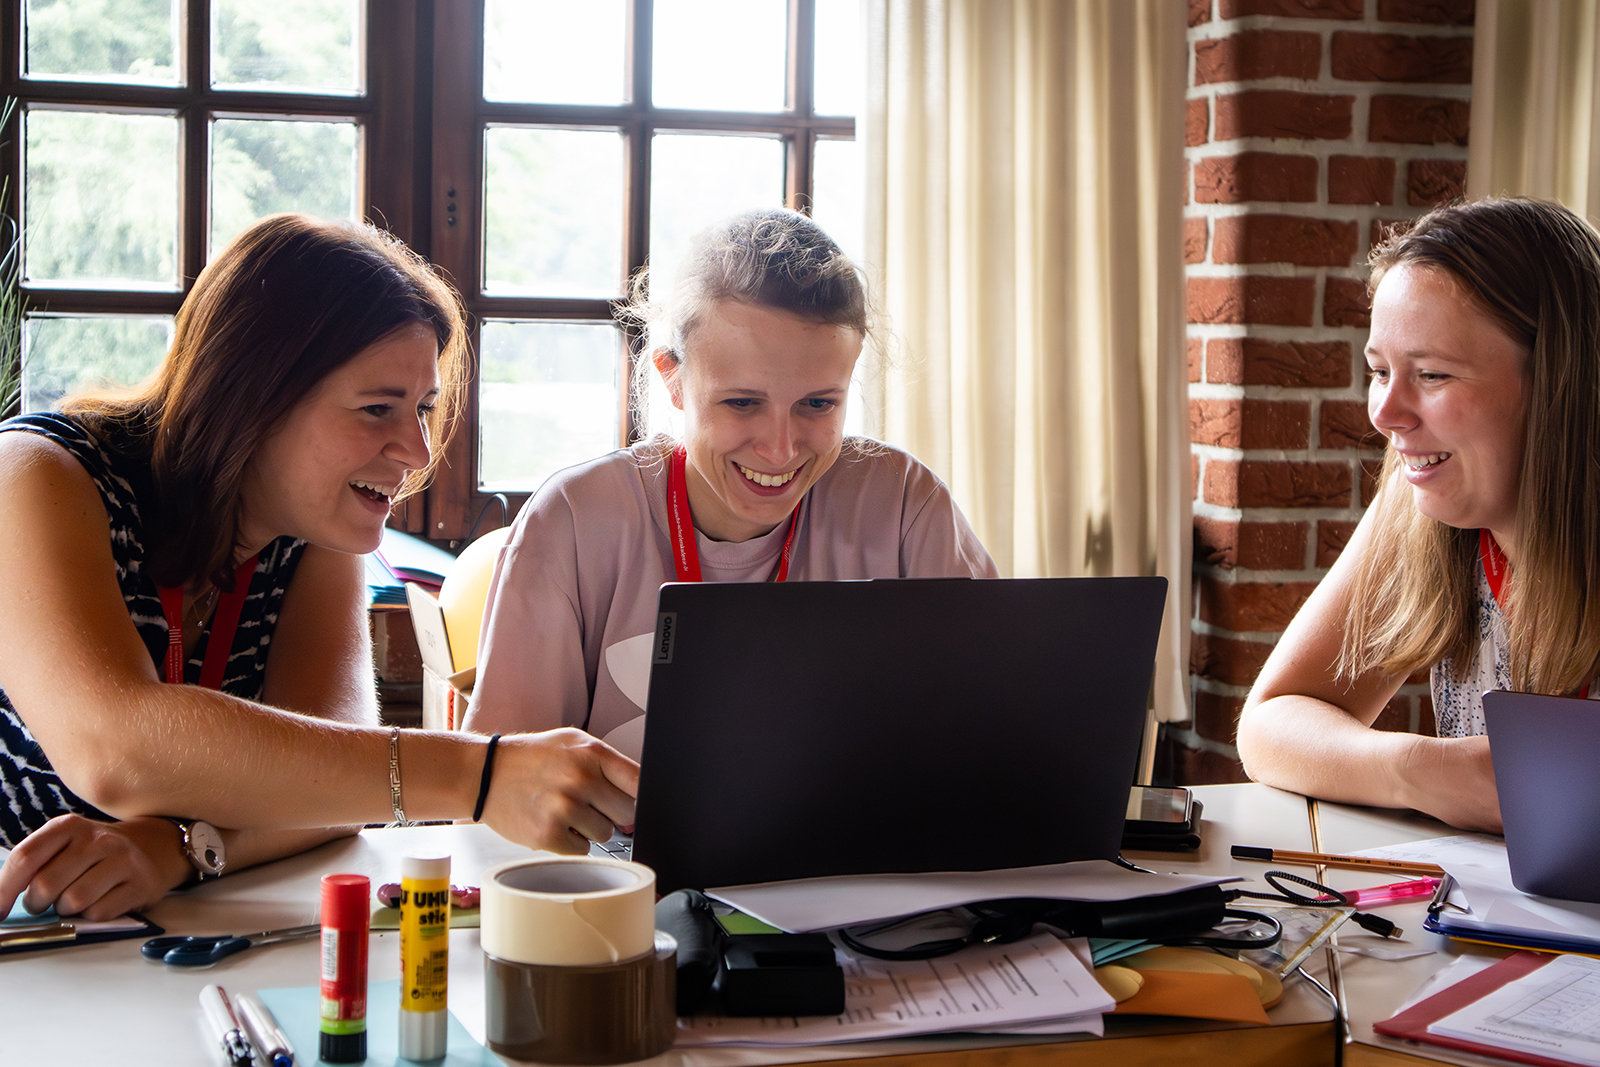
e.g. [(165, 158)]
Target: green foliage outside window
[(121, 40)]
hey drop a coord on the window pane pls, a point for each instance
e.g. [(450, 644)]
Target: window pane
[(841, 70), (102, 40), (553, 212), (547, 398), (697, 180), (554, 51), (838, 178), (724, 55), (261, 166), (288, 46), (100, 193), (64, 353)]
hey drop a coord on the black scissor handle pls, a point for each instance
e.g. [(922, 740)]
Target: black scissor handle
[(157, 947), (204, 951), (192, 951)]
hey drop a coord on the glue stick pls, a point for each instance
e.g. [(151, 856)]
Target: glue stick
[(345, 918), (424, 956)]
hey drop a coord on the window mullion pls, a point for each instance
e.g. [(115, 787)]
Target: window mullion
[(802, 70), (194, 205), (392, 134), (456, 207)]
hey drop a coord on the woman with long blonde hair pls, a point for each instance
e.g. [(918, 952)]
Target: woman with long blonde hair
[(1480, 558)]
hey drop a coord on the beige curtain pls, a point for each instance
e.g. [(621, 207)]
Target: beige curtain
[(1536, 102), (1024, 208)]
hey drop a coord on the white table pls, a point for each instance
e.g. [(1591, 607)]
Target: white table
[(1372, 990), (104, 1003)]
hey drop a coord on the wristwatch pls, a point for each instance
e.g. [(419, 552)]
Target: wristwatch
[(202, 846)]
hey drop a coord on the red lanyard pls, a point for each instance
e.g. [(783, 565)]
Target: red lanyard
[(1495, 568), (1495, 565), (685, 553), (223, 625)]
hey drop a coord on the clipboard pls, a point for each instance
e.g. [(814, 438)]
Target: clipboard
[(32, 933), (1412, 1024), (1438, 922)]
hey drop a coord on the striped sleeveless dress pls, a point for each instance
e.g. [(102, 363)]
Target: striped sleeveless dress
[(31, 793)]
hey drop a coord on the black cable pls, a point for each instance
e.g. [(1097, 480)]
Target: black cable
[(505, 514), (1007, 922), (1327, 897), (995, 923), (1241, 943)]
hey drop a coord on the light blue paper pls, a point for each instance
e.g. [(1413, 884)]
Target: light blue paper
[(20, 916), (1104, 950), (298, 1012)]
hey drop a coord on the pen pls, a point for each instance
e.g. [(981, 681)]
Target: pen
[(270, 1041), (1350, 863), (224, 1025), (1391, 894), (38, 934)]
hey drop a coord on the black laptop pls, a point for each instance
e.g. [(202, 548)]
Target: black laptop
[(1548, 777), (822, 728)]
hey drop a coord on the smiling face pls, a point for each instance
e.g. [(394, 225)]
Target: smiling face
[(328, 471), (1448, 390), (763, 395)]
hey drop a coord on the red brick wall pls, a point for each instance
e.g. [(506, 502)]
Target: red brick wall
[(1311, 124)]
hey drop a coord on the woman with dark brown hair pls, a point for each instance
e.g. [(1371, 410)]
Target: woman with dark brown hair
[(195, 692), (1480, 558)]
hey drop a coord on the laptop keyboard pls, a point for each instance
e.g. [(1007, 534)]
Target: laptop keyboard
[(619, 846)]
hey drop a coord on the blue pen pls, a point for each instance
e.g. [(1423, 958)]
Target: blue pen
[(272, 1045)]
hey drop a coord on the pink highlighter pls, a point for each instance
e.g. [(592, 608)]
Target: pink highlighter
[(1396, 893)]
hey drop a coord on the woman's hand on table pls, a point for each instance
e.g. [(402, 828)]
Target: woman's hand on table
[(559, 790), (99, 870)]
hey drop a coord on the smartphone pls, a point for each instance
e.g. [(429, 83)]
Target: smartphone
[(1158, 810)]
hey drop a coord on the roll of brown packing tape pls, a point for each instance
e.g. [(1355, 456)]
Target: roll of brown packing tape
[(575, 971), (607, 1013)]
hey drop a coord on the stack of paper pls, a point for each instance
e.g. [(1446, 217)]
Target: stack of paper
[(807, 905), (411, 559), (401, 558), (1037, 985), (1485, 906)]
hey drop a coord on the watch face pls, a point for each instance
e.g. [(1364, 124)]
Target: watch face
[(206, 849)]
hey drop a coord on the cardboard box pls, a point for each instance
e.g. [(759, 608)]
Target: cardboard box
[(445, 690)]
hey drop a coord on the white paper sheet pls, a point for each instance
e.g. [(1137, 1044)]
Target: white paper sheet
[(984, 987), (1473, 850), (1460, 970), (811, 904), (1554, 1011)]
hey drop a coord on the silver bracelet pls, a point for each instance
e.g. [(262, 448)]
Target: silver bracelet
[(394, 777)]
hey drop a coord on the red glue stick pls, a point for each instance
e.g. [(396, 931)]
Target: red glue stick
[(345, 917)]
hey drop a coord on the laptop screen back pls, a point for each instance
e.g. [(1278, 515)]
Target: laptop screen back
[(807, 729), (1548, 779)]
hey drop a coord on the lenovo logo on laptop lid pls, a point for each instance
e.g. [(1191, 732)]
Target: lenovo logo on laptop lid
[(805, 729), (1548, 779)]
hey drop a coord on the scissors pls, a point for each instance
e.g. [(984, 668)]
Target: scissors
[(204, 951)]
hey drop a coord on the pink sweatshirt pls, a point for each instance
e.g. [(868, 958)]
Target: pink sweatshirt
[(572, 604)]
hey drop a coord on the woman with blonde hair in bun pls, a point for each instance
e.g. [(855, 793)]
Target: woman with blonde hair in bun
[(756, 344)]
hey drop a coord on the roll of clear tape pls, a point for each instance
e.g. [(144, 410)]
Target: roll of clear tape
[(568, 911)]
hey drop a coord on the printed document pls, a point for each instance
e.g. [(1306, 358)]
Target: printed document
[(984, 987), (1554, 1012)]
